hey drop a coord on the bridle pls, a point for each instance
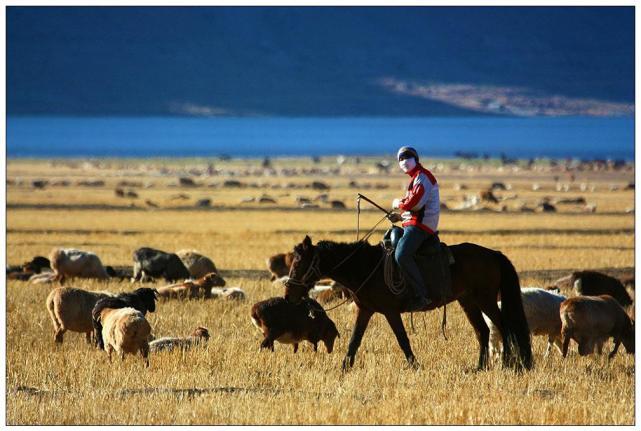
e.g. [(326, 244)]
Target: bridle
[(312, 271), (314, 266)]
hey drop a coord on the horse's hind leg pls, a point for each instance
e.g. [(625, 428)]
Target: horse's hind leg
[(474, 315), (362, 319), (395, 321)]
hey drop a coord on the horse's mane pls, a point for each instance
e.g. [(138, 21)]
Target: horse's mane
[(360, 249), (346, 247)]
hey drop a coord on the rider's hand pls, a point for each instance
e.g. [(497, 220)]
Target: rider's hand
[(394, 217), (396, 203)]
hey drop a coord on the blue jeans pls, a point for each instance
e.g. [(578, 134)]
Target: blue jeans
[(405, 252)]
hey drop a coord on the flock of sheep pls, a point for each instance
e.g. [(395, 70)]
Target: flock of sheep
[(117, 323)]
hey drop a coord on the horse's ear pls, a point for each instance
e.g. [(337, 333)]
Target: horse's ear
[(307, 242)]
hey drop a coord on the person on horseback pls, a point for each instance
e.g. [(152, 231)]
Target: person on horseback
[(421, 208)]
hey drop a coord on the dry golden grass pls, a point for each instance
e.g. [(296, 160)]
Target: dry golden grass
[(230, 382)]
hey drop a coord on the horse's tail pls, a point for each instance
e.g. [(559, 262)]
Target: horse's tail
[(517, 350)]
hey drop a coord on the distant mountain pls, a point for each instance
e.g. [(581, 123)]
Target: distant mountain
[(313, 61)]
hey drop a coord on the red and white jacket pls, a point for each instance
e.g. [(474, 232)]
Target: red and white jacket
[(421, 204)]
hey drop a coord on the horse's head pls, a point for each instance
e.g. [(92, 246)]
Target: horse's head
[(304, 272)]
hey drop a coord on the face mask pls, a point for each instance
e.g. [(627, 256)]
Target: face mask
[(407, 164)]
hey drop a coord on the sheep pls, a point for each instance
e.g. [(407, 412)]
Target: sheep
[(328, 293), (149, 262), (279, 264), (287, 323), (199, 336), (185, 290), (125, 330), (192, 289), (197, 264), (71, 262), (541, 309), (591, 320), (142, 299), (592, 283), (37, 265), (70, 310), (43, 278), (230, 293)]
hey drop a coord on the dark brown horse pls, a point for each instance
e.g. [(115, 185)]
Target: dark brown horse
[(479, 275)]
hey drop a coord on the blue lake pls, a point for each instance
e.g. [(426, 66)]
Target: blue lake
[(581, 137)]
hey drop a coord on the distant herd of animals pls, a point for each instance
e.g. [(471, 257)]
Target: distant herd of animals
[(117, 323)]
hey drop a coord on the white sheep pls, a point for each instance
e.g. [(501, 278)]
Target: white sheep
[(541, 309), (200, 335), (70, 262), (229, 293)]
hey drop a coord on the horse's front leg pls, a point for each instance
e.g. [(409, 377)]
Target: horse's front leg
[(362, 319), (395, 321)]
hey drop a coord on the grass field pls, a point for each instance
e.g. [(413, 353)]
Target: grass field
[(229, 381)]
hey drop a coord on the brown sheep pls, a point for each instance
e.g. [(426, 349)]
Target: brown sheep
[(69, 263), (333, 292), (279, 264), (125, 330), (200, 288), (592, 283), (25, 271), (187, 290), (287, 323), (199, 336), (70, 310), (197, 264), (591, 320)]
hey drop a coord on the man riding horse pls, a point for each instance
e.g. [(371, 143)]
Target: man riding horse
[(421, 208)]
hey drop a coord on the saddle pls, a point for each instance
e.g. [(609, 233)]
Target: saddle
[(434, 259)]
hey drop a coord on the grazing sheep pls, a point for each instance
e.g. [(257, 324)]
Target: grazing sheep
[(592, 283), (142, 299), (149, 262), (279, 264), (125, 330), (197, 264), (591, 320), (199, 336), (541, 309), (287, 323), (69, 263), (70, 310)]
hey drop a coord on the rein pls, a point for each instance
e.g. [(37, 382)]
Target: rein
[(352, 294), (314, 267)]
